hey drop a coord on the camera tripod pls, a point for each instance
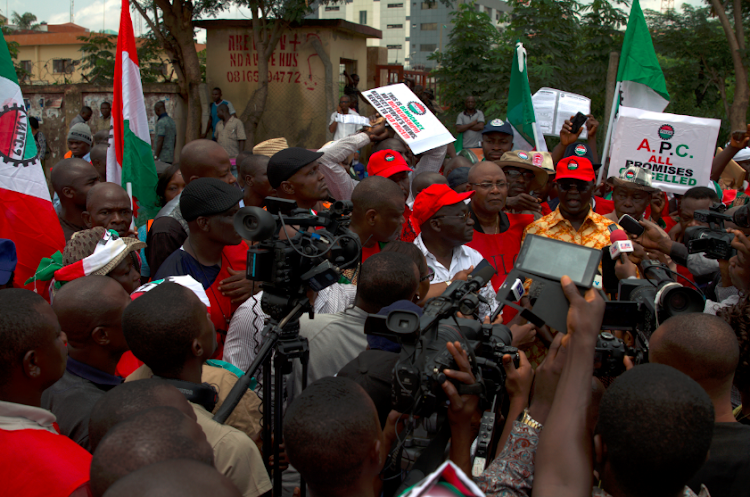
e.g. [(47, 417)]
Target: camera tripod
[(281, 346)]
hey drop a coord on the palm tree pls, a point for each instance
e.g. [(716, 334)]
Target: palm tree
[(25, 21)]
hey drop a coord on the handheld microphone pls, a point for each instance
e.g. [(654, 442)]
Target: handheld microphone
[(481, 275), (620, 244)]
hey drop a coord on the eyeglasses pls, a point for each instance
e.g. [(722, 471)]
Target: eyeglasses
[(429, 276), (466, 215), (513, 173), (579, 186), (490, 186)]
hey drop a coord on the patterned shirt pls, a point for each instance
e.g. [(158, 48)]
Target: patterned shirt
[(166, 127), (593, 233), (511, 474)]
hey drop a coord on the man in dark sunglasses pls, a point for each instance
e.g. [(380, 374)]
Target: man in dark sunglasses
[(574, 220)]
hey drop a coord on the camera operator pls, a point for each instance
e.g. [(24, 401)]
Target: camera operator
[(295, 175), (446, 225), (705, 348), (654, 426)]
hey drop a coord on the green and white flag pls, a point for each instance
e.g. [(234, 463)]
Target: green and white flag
[(526, 132)]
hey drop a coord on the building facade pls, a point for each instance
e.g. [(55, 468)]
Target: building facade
[(412, 30)]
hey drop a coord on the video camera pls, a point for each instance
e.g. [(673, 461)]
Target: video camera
[(418, 374), (289, 265), (714, 240)]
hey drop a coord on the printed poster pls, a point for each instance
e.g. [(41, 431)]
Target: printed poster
[(409, 117), (678, 150)]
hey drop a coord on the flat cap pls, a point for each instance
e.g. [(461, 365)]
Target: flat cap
[(285, 163), (458, 176), (207, 197)]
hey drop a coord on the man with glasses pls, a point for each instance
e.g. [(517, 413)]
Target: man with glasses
[(497, 234), (525, 181), (574, 221), (446, 227)]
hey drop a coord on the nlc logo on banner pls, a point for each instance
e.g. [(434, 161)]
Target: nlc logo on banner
[(678, 150)]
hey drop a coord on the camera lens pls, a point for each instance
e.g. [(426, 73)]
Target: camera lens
[(679, 300)]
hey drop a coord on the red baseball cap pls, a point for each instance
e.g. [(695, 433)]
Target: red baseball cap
[(575, 168), (432, 198), (386, 163)]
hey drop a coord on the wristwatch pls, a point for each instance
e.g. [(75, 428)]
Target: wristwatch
[(529, 421)]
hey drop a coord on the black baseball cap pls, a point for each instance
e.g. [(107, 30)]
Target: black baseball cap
[(208, 197), (285, 163)]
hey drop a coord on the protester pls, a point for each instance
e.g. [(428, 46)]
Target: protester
[(446, 227), (696, 198), (213, 251), (174, 478), (497, 234), (423, 180), (470, 122), (229, 132), (8, 261), (105, 114), (216, 101), (72, 179), (79, 142), (524, 179), (426, 273), (166, 134), (455, 163), (377, 214), (270, 147), (632, 193), (336, 339), (200, 159), (168, 329), (37, 460), (170, 184), (351, 90), (99, 160), (295, 175), (390, 164), (101, 138), (458, 179), (89, 310), (154, 435), (108, 206), (341, 129), (82, 117), (253, 172), (497, 139)]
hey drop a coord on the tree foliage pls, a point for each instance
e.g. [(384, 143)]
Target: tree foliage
[(569, 44), (98, 59), (27, 20)]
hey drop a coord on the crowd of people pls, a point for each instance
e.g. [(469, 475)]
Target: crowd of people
[(110, 372)]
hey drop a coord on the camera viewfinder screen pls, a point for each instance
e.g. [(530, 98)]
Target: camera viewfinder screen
[(554, 259)]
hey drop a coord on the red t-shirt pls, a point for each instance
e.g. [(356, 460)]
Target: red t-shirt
[(368, 252), (37, 463), (603, 206)]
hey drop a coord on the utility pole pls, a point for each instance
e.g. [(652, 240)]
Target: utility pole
[(72, 17)]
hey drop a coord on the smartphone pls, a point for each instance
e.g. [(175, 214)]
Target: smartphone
[(577, 122), (630, 225)]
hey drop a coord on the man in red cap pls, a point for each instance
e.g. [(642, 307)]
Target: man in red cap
[(574, 220), (391, 164), (446, 227)]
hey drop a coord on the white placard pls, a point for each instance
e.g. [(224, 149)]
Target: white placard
[(409, 117), (352, 119), (552, 107), (678, 150)]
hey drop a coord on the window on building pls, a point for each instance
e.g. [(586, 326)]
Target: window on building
[(488, 10), (428, 47), (395, 5), (363, 17), (429, 26), (26, 66), (497, 15), (334, 8), (429, 5), (394, 47), (60, 66), (395, 26)]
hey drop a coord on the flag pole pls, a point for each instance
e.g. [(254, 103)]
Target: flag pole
[(605, 153), (129, 189)]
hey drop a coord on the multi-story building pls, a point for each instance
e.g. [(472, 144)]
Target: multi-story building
[(412, 30)]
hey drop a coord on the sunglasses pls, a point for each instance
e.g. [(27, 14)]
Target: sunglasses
[(577, 185)]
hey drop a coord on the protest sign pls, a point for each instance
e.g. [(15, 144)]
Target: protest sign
[(552, 107), (678, 150), (409, 117)]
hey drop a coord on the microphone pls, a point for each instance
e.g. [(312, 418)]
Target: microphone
[(482, 274), (620, 244)]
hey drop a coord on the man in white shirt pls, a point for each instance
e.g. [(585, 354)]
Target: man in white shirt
[(446, 227), (340, 129)]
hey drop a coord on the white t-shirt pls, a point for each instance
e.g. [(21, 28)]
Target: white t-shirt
[(343, 130)]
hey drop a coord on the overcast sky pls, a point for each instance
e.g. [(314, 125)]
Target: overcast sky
[(105, 14)]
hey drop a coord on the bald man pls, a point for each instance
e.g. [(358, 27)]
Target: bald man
[(497, 234), (705, 348), (423, 180), (174, 478), (72, 179), (99, 160), (253, 171), (90, 312), (108, 206), (198, 159), (378, 213), (455, 163)]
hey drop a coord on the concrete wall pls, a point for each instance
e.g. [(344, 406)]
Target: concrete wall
[(56, 105), (298, 105)]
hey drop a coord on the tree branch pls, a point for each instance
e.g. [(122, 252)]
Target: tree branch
[(738, 26)]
